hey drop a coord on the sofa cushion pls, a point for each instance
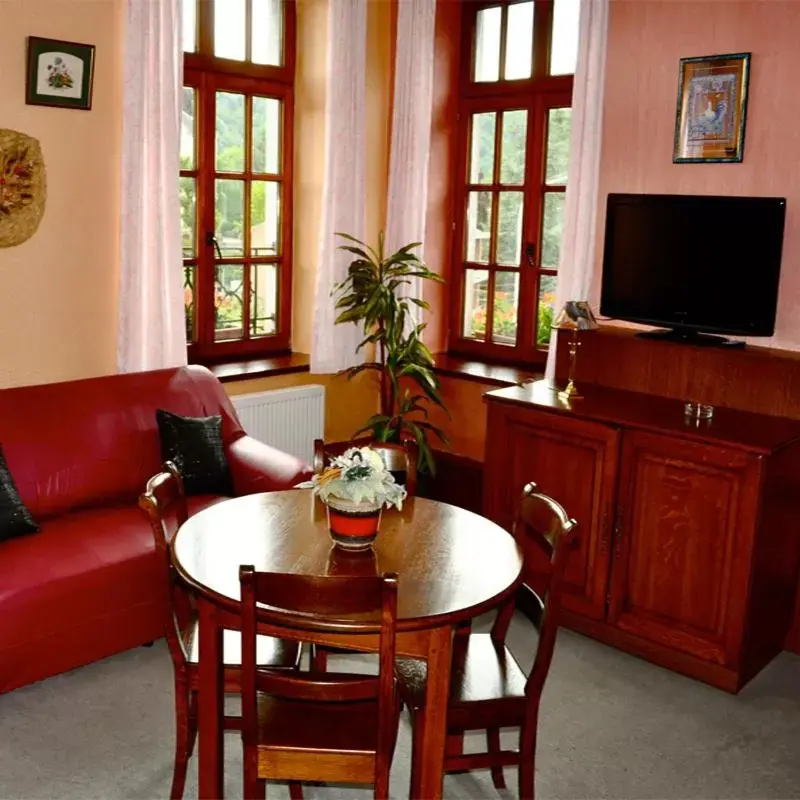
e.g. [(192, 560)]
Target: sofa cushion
[(194, 445), (15, 519), (79, 565)]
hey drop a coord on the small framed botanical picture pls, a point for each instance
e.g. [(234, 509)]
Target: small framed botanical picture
[(712, 109), (59, 73)]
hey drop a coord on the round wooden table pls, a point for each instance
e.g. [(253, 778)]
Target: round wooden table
[(451, 564)]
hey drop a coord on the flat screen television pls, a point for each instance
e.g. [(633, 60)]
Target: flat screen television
[(693, 264)]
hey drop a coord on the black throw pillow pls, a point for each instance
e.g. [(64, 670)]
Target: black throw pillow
[(194, 444), (15, 519)]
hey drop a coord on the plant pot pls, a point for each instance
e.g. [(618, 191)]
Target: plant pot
[(353, 526)]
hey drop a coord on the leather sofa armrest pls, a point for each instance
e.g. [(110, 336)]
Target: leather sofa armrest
[(257, 467)]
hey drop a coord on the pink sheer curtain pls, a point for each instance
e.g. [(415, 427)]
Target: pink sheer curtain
[(151, 315), (576, 271), (407, 200), (344, 202)]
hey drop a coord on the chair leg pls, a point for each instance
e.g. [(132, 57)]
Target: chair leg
[(183, 739), (416, 746), (493, 745), (295, 790), (319, 658), (527, 760), (192, 722), (253, 788), (382, 785)]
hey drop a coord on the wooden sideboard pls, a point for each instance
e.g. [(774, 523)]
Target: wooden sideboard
[(689, 544)]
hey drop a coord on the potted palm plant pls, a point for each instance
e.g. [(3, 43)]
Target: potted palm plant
[(370, 297)]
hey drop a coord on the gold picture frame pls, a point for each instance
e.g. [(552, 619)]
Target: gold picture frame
[(711, 109)]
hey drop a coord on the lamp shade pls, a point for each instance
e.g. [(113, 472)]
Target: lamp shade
[(575, 315)]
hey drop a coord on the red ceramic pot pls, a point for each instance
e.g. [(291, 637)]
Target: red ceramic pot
[(353, 526)]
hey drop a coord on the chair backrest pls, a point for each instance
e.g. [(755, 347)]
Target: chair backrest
[(164, 502), (542, 528), (331, 600), (399, 458)]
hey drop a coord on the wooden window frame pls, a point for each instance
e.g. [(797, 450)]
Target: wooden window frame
[(209, 74), (538, 94)]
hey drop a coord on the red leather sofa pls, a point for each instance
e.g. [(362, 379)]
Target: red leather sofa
[(80, 453)]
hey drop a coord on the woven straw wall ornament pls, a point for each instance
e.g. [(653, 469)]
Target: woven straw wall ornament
[(23, 189)]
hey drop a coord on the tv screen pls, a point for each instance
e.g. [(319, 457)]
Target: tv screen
[(693, 263)]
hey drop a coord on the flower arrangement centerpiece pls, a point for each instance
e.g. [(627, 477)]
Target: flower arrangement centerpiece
[(355, 487)]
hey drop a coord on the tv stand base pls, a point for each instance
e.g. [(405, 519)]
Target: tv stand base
[(691, 337)]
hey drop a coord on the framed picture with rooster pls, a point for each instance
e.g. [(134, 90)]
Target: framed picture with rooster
[(59, 73), (712, 109)]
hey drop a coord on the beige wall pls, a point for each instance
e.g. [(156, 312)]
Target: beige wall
[(58, 303)]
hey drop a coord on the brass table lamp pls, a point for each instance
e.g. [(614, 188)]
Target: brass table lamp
[(575, 316)]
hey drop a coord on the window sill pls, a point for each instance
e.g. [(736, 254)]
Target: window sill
[(482, 371), (251, 368)]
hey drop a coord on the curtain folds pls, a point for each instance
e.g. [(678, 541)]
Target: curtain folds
[(344, 200), (151, 332), (576, 271), (407, 200)]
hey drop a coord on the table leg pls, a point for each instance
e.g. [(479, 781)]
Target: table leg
[(433, 731), (210, 704)]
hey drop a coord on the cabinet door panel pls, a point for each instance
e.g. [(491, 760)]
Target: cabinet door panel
[(574, 462), (678, 550)]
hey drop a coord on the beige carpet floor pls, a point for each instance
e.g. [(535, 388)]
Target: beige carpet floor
[(612, 726)]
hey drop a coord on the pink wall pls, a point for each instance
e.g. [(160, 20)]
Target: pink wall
[(646, 40), (58, 290)]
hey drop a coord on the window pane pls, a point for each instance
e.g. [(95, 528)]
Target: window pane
[(188, 198), (547, 299), (266, 134), (564, 49), (229, 217), (188, 128), (189, 26), (506, 302), (189, 273), (487, 44), (559, 126), (476, 285), (552, 228), (267, 32), (519, 41), (512, 155), (263, 299), (229, 29), (230, 132), (229, 302), (479, 226), (509, 228), (481, 169), (264, 218)]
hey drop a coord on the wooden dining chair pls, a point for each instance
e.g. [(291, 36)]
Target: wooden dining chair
[(164, 502), (488, 688), (335, 727), (401, 460)]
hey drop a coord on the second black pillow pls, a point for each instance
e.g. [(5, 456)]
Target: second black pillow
[(195, 446), (15, 519)]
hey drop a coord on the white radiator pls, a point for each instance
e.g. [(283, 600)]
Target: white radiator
[(289, 419)]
